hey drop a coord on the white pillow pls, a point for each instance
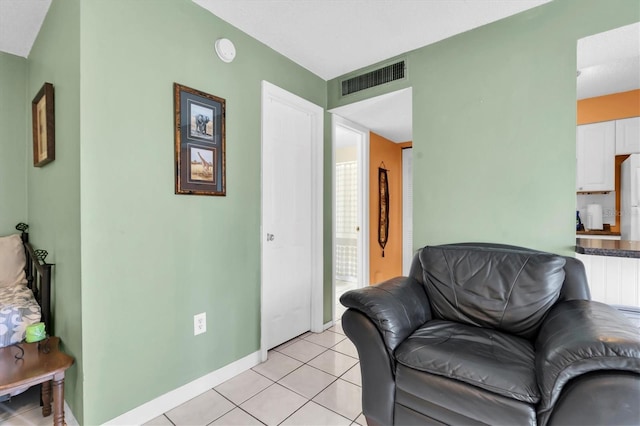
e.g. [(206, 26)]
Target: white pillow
[(12, 261)]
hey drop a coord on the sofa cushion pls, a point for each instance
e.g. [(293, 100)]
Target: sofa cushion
[(489, 359), (502, 288), (12, 261)]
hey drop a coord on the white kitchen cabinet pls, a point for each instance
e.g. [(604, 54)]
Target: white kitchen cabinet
[(628, 136), (595, 154)]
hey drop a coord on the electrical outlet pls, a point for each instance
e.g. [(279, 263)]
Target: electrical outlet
[(199, 323)]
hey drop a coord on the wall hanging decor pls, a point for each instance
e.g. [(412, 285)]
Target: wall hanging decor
[(44, 133), (199, 142), (383, 203)]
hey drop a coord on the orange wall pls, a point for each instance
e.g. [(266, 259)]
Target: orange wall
[(389, 266), (609, 107)]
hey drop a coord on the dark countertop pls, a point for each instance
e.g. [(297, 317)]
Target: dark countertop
[(615, 248)]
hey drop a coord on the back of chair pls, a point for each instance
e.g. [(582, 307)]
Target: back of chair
[(495, 285), (575, 287)]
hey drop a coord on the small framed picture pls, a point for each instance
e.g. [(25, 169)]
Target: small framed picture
[(202, 161), (44, 135), (199, 142)]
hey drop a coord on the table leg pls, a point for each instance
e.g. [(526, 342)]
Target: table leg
[(46, 398), (58, 399)]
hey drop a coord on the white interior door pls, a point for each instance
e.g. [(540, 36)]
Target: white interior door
[(291, 216)]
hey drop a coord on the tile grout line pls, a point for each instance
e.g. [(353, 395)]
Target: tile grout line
[(255, 394), (326, 408), (323, 389), (232, 403), (308, 400), (168, 419), (237, 406), (297, 368)]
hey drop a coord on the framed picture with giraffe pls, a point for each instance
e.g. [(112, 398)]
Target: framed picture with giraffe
[(200, 167)]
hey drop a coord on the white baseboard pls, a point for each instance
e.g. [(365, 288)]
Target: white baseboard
[(69, 418), (152, 409), (327, 325)]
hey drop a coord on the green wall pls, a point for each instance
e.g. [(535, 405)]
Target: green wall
[(494, 113), (54, 190), (152, 259), (494, 148), (13, 144)]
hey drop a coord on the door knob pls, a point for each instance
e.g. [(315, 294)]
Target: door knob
[(270, 237), (357, 229)]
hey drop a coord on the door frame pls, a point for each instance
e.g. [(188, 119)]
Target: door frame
[(363, 204), (407, 210), (270, 91)]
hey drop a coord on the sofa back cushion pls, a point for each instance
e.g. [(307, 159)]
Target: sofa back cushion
[(501, 288), (12, 261)]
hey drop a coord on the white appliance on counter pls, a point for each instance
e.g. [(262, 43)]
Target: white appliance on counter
[(594, 217), (630, 198)]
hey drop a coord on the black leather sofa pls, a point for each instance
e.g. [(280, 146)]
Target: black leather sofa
[(492, 334)]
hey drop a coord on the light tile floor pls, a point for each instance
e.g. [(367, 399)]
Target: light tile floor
[(24, 409), (313, 379)]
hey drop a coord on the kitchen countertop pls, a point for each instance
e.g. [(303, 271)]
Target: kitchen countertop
[(606, 230), (615, 248)]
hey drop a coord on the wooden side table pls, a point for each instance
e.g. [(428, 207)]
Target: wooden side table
[(42, 362)]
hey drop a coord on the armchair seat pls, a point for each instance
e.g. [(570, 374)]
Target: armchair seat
[(492, 334), (483, 358)]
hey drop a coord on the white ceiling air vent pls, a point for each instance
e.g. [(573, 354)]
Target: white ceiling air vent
[(374, 78)]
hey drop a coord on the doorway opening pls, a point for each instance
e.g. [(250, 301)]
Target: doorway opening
[(368, 135), (350, 193)]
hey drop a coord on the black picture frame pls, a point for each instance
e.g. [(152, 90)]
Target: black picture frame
[(200, 166)]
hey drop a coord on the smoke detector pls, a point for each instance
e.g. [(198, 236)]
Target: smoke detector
[(225, 50)]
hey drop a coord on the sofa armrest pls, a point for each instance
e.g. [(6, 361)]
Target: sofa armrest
[(600, 398), (578, 337), (397, 307), (376, 368)]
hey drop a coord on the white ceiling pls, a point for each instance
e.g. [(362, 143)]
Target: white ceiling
[(609, 62), (333, 37), (388, 115), (20, 21)]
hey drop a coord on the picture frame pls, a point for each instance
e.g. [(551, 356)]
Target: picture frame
[(43, 123), (200, 142)]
